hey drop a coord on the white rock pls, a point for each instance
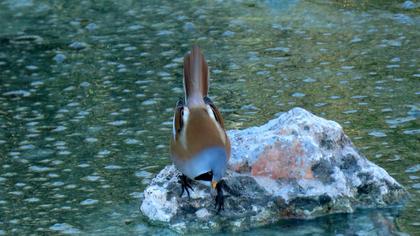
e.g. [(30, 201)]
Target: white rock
[(297, 165), (156, 206), (202, 213)]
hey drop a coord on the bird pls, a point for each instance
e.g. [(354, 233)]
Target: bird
[(200, 148)]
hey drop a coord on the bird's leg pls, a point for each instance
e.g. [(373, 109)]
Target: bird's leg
[(220, 199), (185, 184)]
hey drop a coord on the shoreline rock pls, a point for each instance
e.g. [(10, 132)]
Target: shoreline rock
[(295, 166)]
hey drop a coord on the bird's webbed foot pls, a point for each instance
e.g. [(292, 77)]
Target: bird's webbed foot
[(185, 185)]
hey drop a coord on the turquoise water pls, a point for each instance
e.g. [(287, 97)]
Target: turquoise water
[(87, 91)]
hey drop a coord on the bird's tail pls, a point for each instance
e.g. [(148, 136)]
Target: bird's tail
[(196, 73)]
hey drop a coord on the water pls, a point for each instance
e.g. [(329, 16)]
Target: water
[(88, 89)]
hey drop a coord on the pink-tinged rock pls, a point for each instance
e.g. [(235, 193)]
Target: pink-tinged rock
[(286, 147), (283, 160), (297, 165)]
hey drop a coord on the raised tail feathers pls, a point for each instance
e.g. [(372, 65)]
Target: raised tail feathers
[(196, 73)]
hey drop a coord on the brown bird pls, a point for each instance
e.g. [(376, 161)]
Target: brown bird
[(200, 148)]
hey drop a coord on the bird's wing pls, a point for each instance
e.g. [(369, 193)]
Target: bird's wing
[(178, 121), (216, 112)]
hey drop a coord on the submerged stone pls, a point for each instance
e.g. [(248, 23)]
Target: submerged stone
[(59, 57), (408, 5), (295, 166), (65, 228), (78, 45)]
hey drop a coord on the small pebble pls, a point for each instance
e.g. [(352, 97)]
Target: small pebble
[(59, 58), (78, 45)]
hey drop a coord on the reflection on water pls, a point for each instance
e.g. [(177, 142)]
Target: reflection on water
[(88, 88)]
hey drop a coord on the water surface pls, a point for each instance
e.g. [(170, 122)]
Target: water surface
[(87, 91)]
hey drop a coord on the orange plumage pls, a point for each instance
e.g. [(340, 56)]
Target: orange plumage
[(199, 146)]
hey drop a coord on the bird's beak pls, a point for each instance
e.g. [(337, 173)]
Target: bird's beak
[(213, 184)]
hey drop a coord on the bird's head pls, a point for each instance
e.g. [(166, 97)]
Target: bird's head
[(218, 171), (210, 165)]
